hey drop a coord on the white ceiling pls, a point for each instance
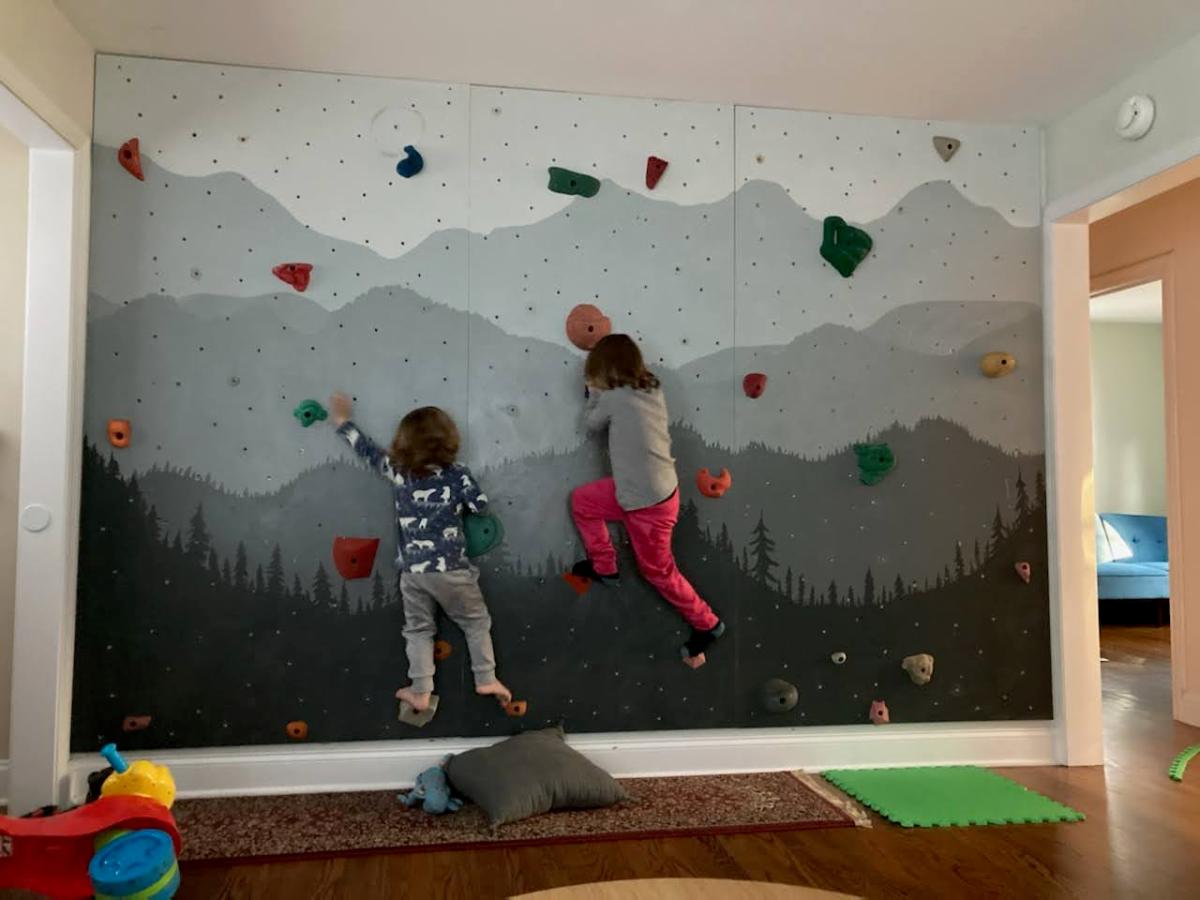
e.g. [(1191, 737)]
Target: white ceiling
[(1140, 304), (980, 60)]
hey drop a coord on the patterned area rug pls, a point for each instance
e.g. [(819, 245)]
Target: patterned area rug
[(359, 823)]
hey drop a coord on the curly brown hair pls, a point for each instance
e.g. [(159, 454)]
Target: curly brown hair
[(615, 361), (425, 438)]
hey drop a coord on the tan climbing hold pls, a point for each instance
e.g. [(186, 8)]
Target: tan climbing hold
[(919, 667), (998, 364), (946, 147)]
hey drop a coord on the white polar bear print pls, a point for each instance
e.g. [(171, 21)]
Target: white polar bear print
[(405, 521), (441, 566), (446, 494), (450, 532), (466, 481), (423, 495), (424, 524), (419, 568), (419, 545)]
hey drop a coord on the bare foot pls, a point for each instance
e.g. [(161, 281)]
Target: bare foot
[(495, 689), (419, 702), (695, 662)]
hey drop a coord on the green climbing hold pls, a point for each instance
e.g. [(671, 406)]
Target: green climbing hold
[(483, 533), (874, 461), (844, 246), (310, 411), (564, 181), (1180, 762)]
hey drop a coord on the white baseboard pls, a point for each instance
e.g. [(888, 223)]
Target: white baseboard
[(387, 765)]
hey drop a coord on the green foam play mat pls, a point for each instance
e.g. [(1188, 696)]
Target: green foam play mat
[(948, 795)]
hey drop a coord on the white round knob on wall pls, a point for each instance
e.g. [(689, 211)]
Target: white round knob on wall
[(1134, 117), (35, 517)]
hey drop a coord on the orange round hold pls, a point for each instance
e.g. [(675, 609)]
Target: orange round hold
[(586, 325), (297, 731), (119, 432), (516, 708), (442, 650)]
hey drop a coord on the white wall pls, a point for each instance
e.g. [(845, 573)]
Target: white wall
[(1129, 432)]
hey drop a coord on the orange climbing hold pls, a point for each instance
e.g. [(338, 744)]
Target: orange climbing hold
[(754, 384), (130, 158), (354, 557), (120, 431), (135, 723), (713, 485), (586, 325), (297, 731), (1024, 571), (295, 274), (654, 170), (578, 583), (442, 650), (516, 708)]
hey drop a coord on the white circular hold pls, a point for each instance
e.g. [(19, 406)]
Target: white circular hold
[(1134, 117), (35, 517), (394, 127), (838, 658)]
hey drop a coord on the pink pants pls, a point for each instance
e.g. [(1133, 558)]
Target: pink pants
[(650, 529)]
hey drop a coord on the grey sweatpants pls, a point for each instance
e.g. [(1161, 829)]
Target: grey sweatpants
[(457, 592)]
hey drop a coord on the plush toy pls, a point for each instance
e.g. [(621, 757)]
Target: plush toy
[(432, 791)]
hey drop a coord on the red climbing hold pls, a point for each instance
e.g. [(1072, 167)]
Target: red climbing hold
[(354, 557), (654, 170), (713, 485), (295, 274), (578, 583), (754, 384), (441, 650), (1025, 571), (120, 431), (879, 713), (516, 708), (130, 158), (135, 723), (297, 730), (586, 325)]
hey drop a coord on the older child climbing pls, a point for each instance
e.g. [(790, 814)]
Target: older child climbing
[(643, 492), (430, 491)]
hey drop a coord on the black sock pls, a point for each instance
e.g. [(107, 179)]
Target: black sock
[(702, 640)]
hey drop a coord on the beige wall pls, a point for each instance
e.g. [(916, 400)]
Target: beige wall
[(1128, 428)]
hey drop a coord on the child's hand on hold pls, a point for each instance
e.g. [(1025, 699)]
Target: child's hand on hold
[(341, 408)]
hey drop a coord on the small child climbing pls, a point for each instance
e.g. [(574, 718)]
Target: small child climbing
[(430, 491), (643, 492)]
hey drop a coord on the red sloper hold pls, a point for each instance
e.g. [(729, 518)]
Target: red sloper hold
[(754, 384), (354, 557), (654, 170), (713, 485), (295, 274), (130, 158)]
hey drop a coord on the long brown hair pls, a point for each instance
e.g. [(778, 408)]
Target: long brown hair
[(615, 361), (425, 438)]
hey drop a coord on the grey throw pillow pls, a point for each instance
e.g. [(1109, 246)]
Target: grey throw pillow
[(531, 773)]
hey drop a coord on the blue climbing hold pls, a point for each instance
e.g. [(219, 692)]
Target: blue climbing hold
[(412, 163)]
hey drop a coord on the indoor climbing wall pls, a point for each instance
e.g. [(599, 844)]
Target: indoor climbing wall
[(862, 502)]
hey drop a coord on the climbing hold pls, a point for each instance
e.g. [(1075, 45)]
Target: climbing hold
[(135, 723), (354, 557), (586, 325), (754, 384), (838, 658), (713, 485), (654, 170), (564, 181), (130, 158), (946, 147), (412, 163), (997, 365), (297, 730), (310, 411), (879, 713), (874, 462), (418, 718), (578, 583), (295, 274), (778, 696), (483, 533), (919, 667), (516, 708), (1025, 571), (442, 650), (120, 431), (1179, 763), (844, 246)]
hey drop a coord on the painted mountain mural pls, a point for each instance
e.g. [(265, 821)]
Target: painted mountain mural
[(208, 598)]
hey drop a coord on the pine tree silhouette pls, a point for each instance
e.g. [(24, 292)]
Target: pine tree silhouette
[(240, 571), (898, 589), (344, 601), (322, 591), (1021, 505), (745, 561), (275, 576), (960, 564), (978, 562), (378, 599), (260, 584), (997, 539), (199, 540), (787, 584), (831, 596), (868, 597), (762, 547)]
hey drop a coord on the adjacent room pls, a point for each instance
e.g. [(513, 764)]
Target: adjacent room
[(515, 451)]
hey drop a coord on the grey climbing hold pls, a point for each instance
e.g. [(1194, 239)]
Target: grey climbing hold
[(779, 696), (418, 719), (838, 658), (946, 147), (919, 667)]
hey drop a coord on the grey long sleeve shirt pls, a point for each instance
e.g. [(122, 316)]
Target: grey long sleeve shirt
[(639, 444)]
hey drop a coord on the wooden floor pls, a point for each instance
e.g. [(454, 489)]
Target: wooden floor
[(1141, 837)]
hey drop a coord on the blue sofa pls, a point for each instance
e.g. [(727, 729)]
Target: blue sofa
[(1131, 557)]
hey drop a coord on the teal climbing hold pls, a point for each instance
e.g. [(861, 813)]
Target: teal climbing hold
[(482, 532), (412, 163), (1180, 762), (310, 411), (844, 246), (874, 462), (564, 181)]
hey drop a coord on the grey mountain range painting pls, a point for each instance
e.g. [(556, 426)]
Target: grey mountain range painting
[(206, 546)]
